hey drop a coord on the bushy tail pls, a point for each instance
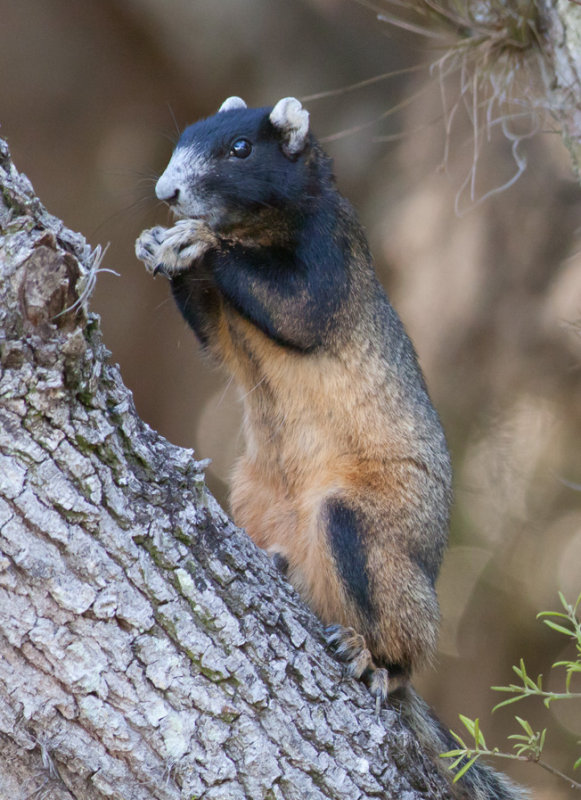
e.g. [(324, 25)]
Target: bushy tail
[(480, 782)]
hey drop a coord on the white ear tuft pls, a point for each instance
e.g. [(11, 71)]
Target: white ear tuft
[(231, 103), (292, 120)]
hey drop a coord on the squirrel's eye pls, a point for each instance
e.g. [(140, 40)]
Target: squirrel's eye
[(241, 148)]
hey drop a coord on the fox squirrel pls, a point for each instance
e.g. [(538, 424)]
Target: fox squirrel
[(346, 477)]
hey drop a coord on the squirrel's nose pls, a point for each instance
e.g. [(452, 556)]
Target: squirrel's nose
[(167, 191)]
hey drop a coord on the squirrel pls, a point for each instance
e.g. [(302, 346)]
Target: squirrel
[(346, 475)]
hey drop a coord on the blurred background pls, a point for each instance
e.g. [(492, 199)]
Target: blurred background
[(92, 97)]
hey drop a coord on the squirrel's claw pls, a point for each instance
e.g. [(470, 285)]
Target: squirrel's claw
[(159, 269), (350, 648)]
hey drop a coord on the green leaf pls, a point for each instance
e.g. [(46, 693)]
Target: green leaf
[(521, 670), (553, 614), (460, 741), (478, 736), (566, 664), (528, 682), (559, 628), (572, 666), (577, 764), (525, 726), (453, 753), (465, 769), (468, 723), (508, 702)]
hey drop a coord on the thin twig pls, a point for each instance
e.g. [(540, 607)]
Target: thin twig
[(362, 84)]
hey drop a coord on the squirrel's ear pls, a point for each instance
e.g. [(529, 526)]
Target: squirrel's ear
[(232, 103), (292, 121)]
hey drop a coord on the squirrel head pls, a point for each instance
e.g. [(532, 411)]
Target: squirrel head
[(240, 162)]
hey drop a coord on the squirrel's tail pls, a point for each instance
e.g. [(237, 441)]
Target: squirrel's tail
[(480, 782)]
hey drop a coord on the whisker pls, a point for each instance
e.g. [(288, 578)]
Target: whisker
[(224, 393), (178, 132), (256, 385)]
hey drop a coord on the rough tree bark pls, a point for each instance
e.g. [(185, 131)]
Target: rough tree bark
[(147, 648), (561, 39)]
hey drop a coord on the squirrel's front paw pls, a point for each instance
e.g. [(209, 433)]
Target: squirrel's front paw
[(147, 247), (173, 250)]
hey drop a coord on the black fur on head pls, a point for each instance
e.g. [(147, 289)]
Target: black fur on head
[(243, 162)]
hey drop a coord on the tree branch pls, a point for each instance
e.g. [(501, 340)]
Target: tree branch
[(147, 648)]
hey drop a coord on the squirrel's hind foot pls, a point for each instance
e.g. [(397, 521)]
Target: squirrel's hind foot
[(351, 649)]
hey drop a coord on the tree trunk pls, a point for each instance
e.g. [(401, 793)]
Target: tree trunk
[(147, 648), (561, 23)]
